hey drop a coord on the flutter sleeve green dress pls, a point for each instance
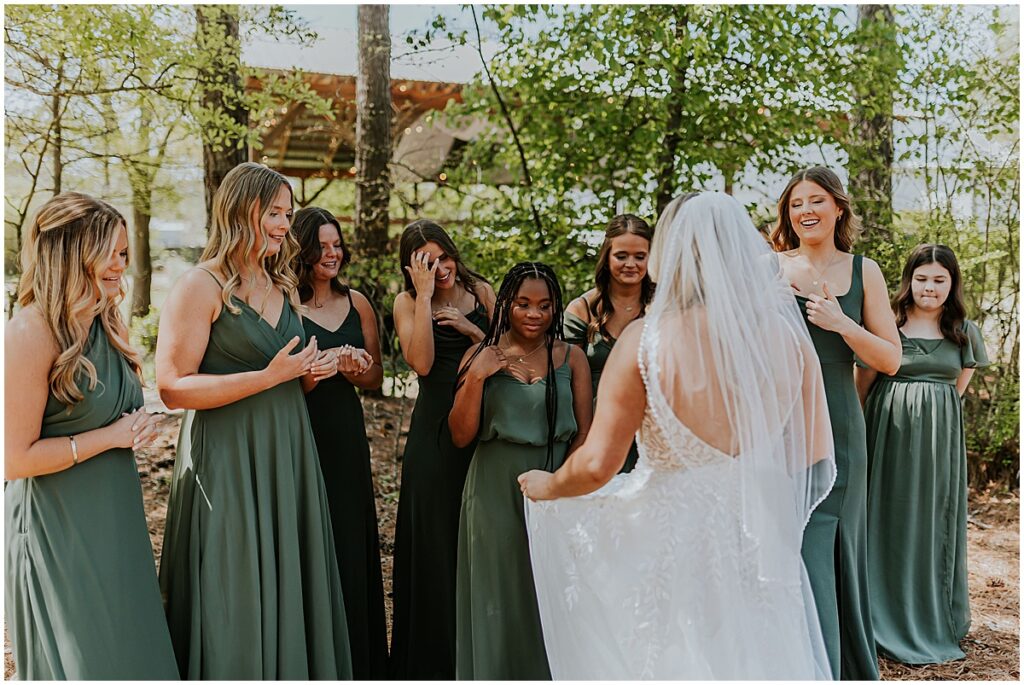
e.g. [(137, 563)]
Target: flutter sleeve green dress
[(248, 569), (597, 350), (499, 630), (82, 600), (336, 415), (917, 501)]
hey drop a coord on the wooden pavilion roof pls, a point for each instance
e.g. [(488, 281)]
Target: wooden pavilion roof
[(301, 144)]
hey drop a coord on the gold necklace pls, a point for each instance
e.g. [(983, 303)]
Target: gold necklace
[(628, 309), (266, 293), (827, 266), (522, 358)]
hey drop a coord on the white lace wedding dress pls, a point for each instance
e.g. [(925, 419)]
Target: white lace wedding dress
[(689, 566)]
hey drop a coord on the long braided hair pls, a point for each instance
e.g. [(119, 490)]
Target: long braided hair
[(501, 323)]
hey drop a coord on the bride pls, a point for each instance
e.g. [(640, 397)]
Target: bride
[(689, 567)]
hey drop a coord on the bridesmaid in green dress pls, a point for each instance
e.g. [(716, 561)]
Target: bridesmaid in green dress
[(82, 600), (622, 290), (526, 396), (917, 467), (343, 321), (248, 568), (440, 314), (814, 235)]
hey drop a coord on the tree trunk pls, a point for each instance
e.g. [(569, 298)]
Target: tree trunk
[(673, 134), (373, 130), (142, 265), (870, 141), (57, 152), (221, 84)]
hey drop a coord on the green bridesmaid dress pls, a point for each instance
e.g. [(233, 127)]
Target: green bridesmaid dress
[(248, 570), (336, 415), (835, 539), (917, 501), (597, 350), (427, 526), (499, 630), (82, 599)]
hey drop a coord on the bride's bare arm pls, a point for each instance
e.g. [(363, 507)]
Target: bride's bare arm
[(621, 400)]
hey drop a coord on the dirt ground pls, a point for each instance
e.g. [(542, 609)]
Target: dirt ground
[(993, 534)]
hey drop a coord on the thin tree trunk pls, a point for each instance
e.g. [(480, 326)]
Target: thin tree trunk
[(57, 151), (142, 265), (673, 128), (870, 144), (373, 129), (217, 33)]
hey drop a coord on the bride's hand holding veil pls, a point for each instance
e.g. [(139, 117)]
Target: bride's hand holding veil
[(621, 401)]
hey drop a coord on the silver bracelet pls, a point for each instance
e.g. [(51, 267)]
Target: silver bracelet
[(74, 450)]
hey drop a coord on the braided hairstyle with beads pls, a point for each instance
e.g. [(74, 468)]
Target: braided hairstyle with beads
[(501, 323)]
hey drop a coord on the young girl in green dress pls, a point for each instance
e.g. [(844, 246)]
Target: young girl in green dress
[(527, 396), (622, 290), (248, 567), (917, 467), (343, 321), (80, 581), (440, 314)]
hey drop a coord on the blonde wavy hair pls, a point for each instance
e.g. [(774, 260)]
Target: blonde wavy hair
[(69, 246), (248, 190)]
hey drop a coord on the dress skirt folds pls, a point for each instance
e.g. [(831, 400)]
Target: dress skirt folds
[(249, 569), (82, 599), (917, 501)]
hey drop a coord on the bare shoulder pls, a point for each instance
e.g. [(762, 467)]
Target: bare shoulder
[(577, 356), (403, 301), (580, 307), (361, 302), (28, 332), (871, 268), (484, 293)]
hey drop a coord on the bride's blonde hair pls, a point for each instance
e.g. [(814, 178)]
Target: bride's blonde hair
[(69, 246), (248, 191)]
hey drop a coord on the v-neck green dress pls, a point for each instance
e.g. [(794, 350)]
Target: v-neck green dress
[(249, 570), (835, 539), (336, 415), (917, 501), (499, 630), (82, 600), (597, 350)]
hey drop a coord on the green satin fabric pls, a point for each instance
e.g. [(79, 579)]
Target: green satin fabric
[(82, 599), (498, 627), (248, 568), (835, 539), (917, 501)]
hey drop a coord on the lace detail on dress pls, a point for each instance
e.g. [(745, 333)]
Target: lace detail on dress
[(663, 441)]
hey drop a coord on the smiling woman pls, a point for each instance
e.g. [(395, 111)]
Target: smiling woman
[(526, 394), (247, 500), (846, 304), (441, 313), (80, 583)]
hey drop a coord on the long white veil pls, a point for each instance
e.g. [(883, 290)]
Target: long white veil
[(727, 350), (736, 451)]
